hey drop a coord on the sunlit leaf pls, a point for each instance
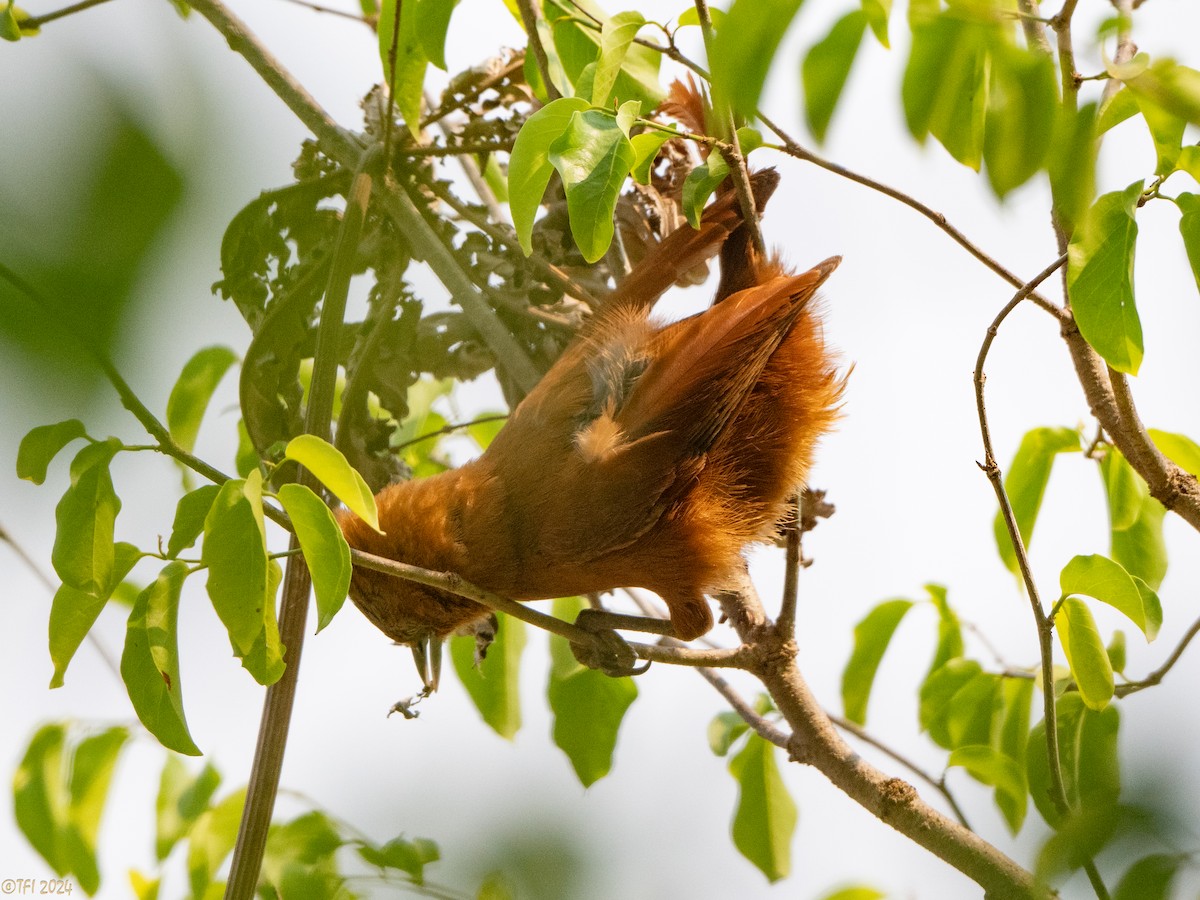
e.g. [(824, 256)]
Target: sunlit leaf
[(86, 516), (190, 513), (1166, 129), (1180, 449), (699, 185), (1025, 483), (1021, 113), (1072, 163), (645, 151), (529, 167), (615, 37), (827, 66), (871, 638), (578, 46), (1174, 88), (192, 392), (433, 21), (329, 466), (1120, 106), (1104, 580), (1189, 230), (878, 12), (40, 446), (1085, 651), (325, 549), (856, 892), (764, 820), (1116, 651), (949, 642), (494, 684)]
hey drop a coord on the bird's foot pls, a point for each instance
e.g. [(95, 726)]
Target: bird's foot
[(405, 707), (608, 651)]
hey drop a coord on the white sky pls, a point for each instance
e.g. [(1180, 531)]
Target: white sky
[(907, 308)]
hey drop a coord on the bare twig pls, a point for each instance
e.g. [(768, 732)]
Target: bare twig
[(1160, 673), (530, 16), (39, 21)]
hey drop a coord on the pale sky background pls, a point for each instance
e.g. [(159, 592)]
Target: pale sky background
[(908, 308)]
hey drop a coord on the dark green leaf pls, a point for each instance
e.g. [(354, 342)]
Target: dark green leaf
[(211, 839), (765, 818), (1021, 112), (330, 467), (40, 796), (827, 66), (871, 638), (724, 730), (615, 37), (411, 62), (494, 684), (699, 185), (1026, 483), (744, 47), (86, 516), (529, 168), (150, 661), (433, 21), (991, 767), (1085, 652), (1149, 878), (1072, 163), (325, 549), (189, 398), (42, 444), (92, 765), (190, 513), (1101, 578), (588, 706), (1100, 279), (73, 612), (181, 799), (592, 156), (1189, 230)]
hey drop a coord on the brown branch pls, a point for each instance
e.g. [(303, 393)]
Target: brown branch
[(530, 16), (1160, 673)]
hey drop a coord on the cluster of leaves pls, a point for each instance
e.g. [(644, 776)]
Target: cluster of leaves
[(62, 785), (983, 718)]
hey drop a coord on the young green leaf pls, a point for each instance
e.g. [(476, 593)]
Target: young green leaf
[(1025, 483), (1021, 113), (92, 764), (1178, 448), (325, 549), (989, 766), (433, 21), (1174, 88), (40, 446), (949, 640), (86, 515), (1189, 230), (1085, 651), (40, 798), (615, 37), (587, 705), (494, 684), (1116, 651), (330, 467), (1087, 747), (871, 638), (1150, 878), (1104, 580), (1120, 106), (827, 66), (699, 185), (1100, 279), (578, 46), (1124, 489), (878, 12), (743, 48), (592, 156), (73, 612), (192, 392), (190, 513), (211, 839), (645, 151), (529, 167), (181, 799), (411, 62), (765, 818), (150, 661), (724, 730)]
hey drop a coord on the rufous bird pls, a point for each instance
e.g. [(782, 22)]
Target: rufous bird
[(648, 456)]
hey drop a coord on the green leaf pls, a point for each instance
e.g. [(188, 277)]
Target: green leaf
[(1072, 163), (1085, 652), (13, 25), (40, 797), (190, 513), (246, 460), (1011, 738), (192, 392), (211, 839), (1021, 113), (73, 612), (615, 37), (1121, 106), (579, 46), (957, 703), (494, 684), (1189, 230), (86, 515), (743, 48), (1100, 279), (411, 62), (945, 87), (1150, 878), (1026, 483), (699, 185), (764, 820), (150, 661), (1116, 651), (92, 764), (265, 659), (1138, 546), (1166, 129), (992, 767), (433, 21), (406, 856), (645, 151), (325, 549), (878, 12), (827, 66), (181, 799), (300, 856), (592, 156), (42, 444), (1104, 580), (871, 638), (1124, 489), (949, 641), (1087, 746), (588, 706), (330, 467), (724, 730), (691, 17), (1174, 88), (529, 167), (1178, 448)]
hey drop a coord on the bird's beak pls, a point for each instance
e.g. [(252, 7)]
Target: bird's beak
[(427, 654)]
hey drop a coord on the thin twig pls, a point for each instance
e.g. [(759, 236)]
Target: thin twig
[(39, 21), (793, 556), (1160, 673), (762, 727), (530, 16), (328, 10)]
